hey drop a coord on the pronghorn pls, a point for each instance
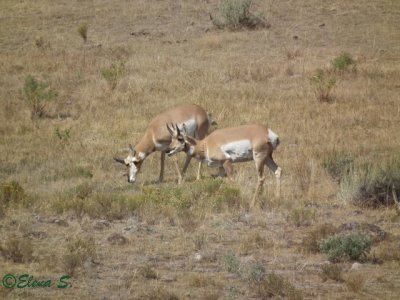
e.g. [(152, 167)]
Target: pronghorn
[(223, 147), (157, 138)]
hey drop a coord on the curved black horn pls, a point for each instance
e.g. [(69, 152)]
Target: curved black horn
[(120, 160)]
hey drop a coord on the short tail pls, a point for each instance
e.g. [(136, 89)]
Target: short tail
[(211, 120)]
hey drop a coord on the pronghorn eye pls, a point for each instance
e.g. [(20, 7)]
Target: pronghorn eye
[(180, 139)]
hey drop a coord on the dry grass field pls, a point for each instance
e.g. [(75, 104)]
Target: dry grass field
[(113, 65)]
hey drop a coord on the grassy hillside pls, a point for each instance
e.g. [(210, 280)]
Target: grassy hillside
[(65, 208)]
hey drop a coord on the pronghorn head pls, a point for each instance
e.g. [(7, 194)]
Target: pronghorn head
[(178, 139), (133, 161)]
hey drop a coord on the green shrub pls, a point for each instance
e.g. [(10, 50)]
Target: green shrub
[(342, 62), (257, 273), (113, 74), (338, 164), (236, 14), (36, 95), (323, 83), (344, 247)]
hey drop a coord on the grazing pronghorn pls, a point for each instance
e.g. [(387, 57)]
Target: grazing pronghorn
[(223, 147), (157, 138)]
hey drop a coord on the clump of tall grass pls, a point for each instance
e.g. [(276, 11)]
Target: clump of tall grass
[(338, 164), (82, 30), (113, 74), (323, 82), (76, 252)]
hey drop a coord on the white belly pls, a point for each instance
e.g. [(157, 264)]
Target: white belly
[(238, 151)]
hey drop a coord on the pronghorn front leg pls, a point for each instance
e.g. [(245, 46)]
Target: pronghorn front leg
[(175, 159), (198, 177), (277, 171), (259, 158), (186, 164), (161, 177)]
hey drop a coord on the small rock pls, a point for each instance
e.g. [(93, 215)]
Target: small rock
[(356, 266), (60, 222), (197, 257)]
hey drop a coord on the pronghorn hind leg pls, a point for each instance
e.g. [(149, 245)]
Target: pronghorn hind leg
[(277, 172), (161, 177), (228, 169)]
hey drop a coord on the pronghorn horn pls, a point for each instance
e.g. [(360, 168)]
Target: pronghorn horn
[(131, 150), (120, 160)]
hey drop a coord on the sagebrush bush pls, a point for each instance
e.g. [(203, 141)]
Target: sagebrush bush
[(236, 14), (36, 95), (372, 185), (232, 263), (345, 247)]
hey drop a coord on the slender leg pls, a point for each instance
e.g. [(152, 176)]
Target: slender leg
[(161, 177), (277, 171), (198, 177), (186, 164), (228, 169), (259, 159), (175, 159)]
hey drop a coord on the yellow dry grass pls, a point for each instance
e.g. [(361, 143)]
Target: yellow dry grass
[(172, 55)]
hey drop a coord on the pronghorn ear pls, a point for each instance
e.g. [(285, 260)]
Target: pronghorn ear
[(178, 132), (171, 132)]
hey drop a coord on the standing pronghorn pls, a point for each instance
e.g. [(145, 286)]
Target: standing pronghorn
[(223, 147), (157, 138)]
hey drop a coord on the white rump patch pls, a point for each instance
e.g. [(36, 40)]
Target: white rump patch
[(273, 138), (238, 151)]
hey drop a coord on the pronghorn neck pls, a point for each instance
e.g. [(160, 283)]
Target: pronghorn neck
[(145, 146)]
